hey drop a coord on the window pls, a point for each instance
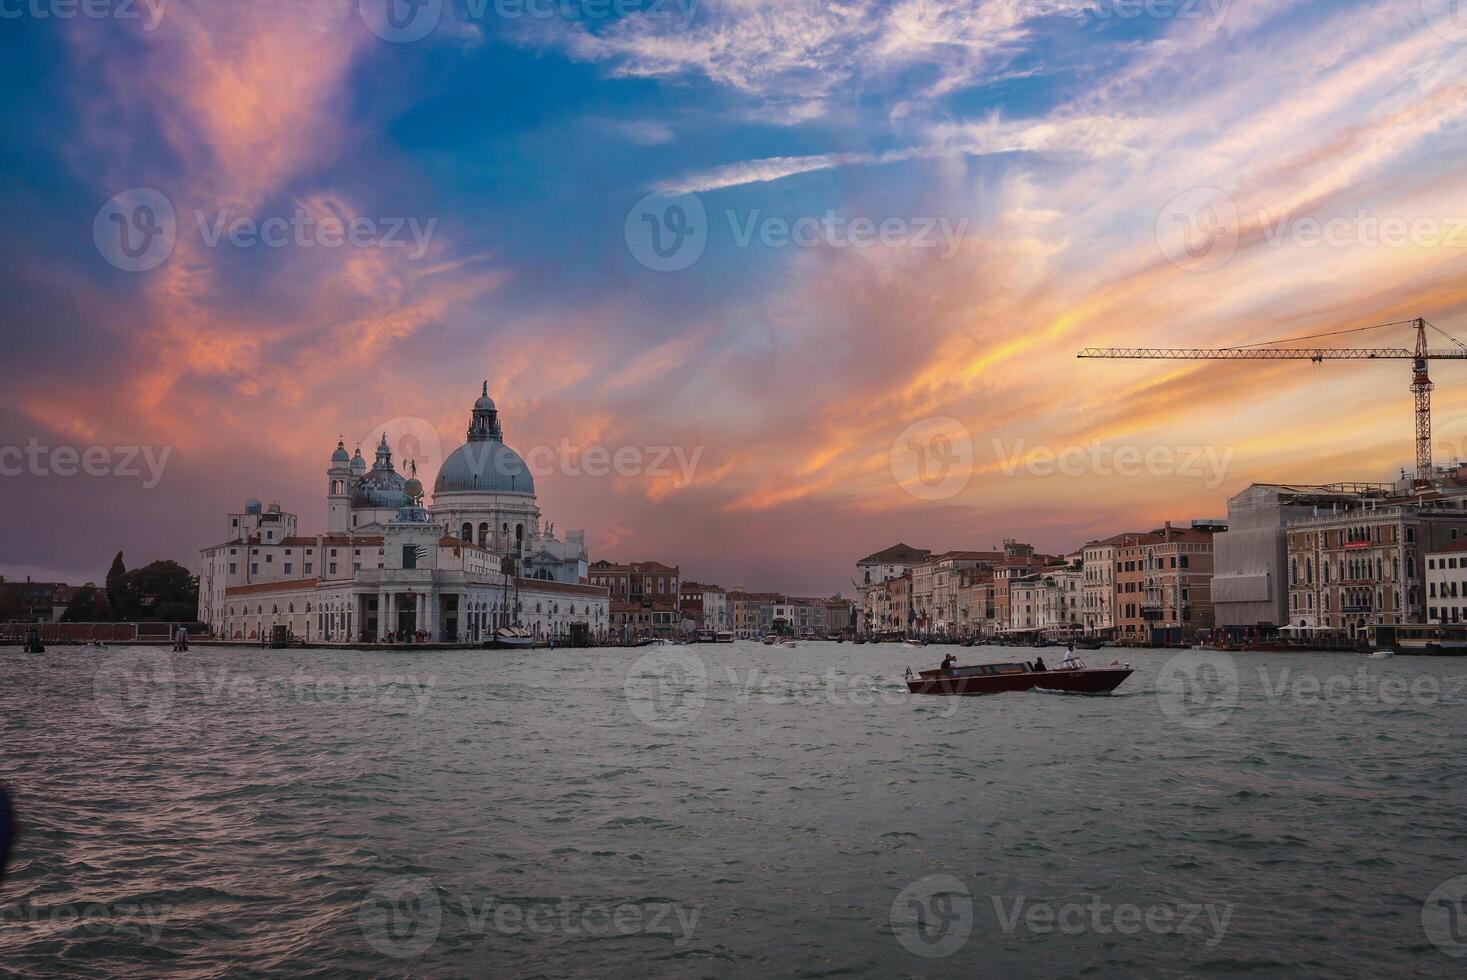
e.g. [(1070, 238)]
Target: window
[(232, 568), (333, 568), (269, 559), (254, 568), (307, 569), (287, 568)]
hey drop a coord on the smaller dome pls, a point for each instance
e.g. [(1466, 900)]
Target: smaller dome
[(413, 489), (253, 506), (358, 464), (340, 458)]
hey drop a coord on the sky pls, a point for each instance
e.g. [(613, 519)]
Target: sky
[(759, 286)]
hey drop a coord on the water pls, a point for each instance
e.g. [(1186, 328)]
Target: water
[(595, 813)]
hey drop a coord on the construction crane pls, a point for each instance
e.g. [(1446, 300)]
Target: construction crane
[(1421, 386)]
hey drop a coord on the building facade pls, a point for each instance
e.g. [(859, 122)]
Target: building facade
[(389, 569)]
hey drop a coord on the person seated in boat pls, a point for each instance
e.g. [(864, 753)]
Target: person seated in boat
[(948, 663), (1039, 667)]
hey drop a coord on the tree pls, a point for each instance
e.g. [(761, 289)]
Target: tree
[(115, 576), (87, 605), (160, 590)]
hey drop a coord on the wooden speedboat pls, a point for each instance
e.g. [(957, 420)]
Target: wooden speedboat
[(1018, 676)]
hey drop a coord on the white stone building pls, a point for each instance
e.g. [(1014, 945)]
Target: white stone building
[(473, 561)]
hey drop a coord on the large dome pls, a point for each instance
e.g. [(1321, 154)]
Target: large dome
[(485, 466)]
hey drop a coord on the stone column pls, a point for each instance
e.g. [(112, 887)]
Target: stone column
[(430, 604), (418, 610), (381, 617)]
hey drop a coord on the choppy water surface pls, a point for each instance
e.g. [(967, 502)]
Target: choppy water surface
[(728, 811)]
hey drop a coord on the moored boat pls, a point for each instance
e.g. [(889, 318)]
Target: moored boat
[(510, 638), (1018, 676)]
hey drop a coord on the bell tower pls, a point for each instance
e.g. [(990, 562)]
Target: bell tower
[(338, 490)]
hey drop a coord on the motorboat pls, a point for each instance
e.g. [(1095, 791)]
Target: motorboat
[(511, 638), (1000, 678)]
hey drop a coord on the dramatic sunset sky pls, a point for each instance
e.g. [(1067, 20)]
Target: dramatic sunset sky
[(1070, 141)]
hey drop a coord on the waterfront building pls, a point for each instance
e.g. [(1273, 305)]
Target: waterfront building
[(1250, 585), (888, 563), (705, 606), (387, 567), (1365, 566), (1446, 584), (645, 597)]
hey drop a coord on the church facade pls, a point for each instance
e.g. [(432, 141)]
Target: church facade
[(387, 568)]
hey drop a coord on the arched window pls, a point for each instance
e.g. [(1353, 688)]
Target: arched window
[(467, 534), (484, 534), (519, 537)]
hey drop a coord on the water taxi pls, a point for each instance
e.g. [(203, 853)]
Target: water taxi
[(1018, 676)]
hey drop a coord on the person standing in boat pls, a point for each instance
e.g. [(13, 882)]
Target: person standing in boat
[(1070, 662), (948, 663)]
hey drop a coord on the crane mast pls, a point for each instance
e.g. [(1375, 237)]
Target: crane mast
[(1419, 356)]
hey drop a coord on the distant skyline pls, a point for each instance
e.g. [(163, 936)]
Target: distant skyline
[(773, 248)]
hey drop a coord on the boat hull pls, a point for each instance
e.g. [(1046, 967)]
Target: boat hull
[(1091, 680)]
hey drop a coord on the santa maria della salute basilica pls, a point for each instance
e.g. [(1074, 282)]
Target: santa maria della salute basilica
[(474, 561)]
